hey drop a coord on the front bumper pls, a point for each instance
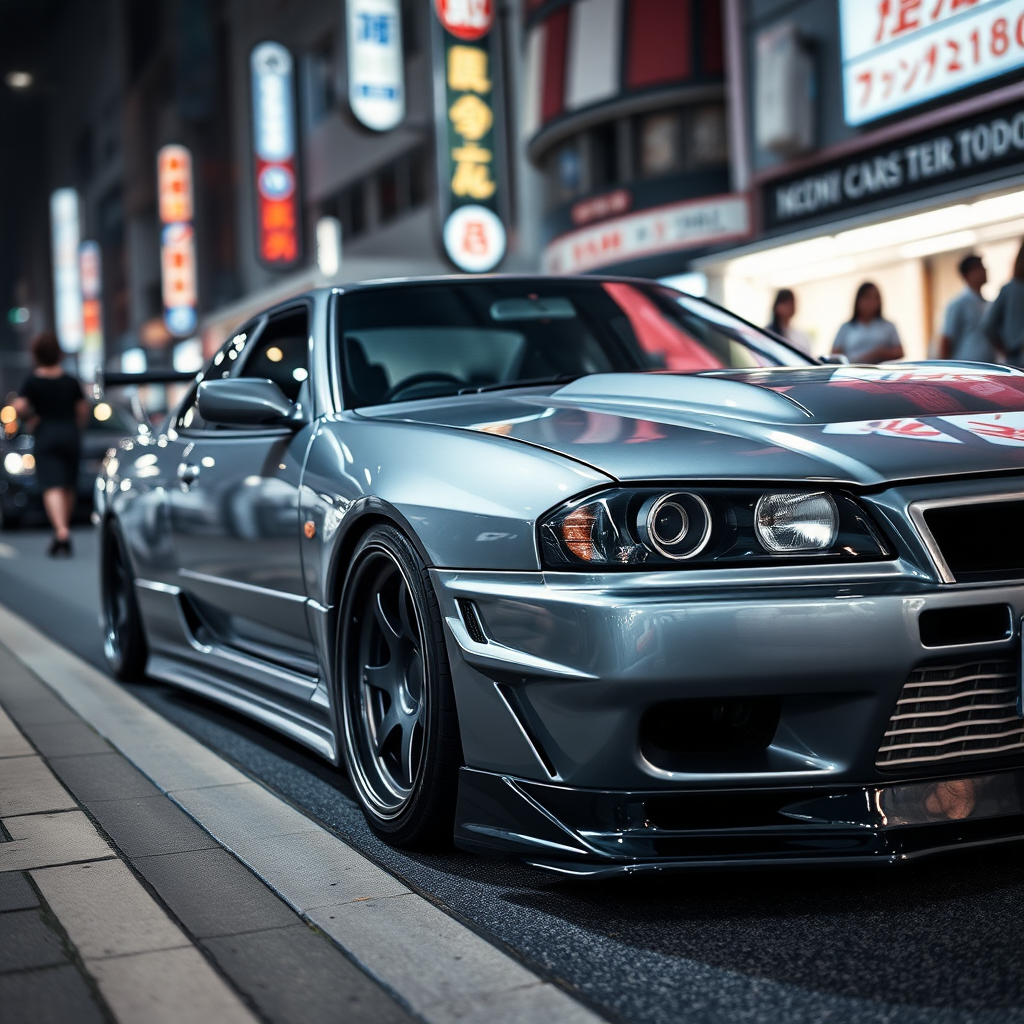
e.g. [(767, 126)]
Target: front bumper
[(553, 688)]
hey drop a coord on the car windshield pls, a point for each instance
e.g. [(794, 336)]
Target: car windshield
[(430, 340)]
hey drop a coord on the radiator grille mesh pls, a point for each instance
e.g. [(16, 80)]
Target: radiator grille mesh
[(954, 713)]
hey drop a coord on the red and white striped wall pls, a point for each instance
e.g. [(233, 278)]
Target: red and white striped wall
[(591, 51)]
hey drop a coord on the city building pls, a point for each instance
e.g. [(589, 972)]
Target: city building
[(625, 114), (880, 141), (299, 142)]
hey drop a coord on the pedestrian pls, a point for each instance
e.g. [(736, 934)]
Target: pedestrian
[(963, 336), (55, 399), (1004, 321), (867, 337), (783, 311)]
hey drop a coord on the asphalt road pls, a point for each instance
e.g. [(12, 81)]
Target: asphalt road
[(936, 942)]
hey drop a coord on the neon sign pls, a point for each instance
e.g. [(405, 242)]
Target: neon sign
[(275, 166)]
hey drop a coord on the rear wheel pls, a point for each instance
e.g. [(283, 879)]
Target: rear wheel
[(124, 643), (401, 736)]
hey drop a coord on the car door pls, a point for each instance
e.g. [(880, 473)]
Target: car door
[(234, 514)]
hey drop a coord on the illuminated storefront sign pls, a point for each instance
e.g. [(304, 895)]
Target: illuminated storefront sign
[(177, 239), (376, 64), (67, 292), (897, 54), (469, 144), (987, 146), (91, 277), (275, 167), (690, 224)]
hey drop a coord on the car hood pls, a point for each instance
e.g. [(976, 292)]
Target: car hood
[(863, 425)]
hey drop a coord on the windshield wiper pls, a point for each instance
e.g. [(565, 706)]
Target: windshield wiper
[(561, 378)]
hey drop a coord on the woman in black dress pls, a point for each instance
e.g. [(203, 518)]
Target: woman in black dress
[(55, 398)]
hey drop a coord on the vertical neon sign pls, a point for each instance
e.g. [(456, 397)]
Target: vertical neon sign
[(376, 71), (470, 138), (67, 292), (91, 275), (177, 240), (278, 236)]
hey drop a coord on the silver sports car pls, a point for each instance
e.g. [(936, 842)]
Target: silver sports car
[(592, 573)]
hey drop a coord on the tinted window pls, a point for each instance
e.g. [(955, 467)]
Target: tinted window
[(400, 344), (281, 353)]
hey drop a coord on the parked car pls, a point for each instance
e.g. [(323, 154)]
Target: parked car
[(21, 500), (592, 573)]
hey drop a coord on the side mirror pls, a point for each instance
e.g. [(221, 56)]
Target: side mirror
[(245, 402)]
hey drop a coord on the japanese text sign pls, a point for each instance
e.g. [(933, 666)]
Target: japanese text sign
[(469, 141), (376, 64), (899, 53), (275, 164)]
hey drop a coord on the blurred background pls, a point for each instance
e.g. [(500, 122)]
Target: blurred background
[(167, 167)]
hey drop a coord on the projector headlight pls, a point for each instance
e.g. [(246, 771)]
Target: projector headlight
[(796, 522), (706, 527)]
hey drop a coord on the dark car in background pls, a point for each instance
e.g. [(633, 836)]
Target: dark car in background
[(21, 500)]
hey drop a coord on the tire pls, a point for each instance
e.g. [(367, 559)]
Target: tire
[(124, 642), (400, 731)]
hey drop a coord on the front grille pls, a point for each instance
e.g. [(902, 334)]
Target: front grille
[(980, 541), (954, 713)]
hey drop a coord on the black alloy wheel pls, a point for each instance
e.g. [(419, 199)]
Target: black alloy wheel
[(397, 708), (124, 643)]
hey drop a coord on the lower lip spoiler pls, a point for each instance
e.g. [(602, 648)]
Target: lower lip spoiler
[(589, 834)]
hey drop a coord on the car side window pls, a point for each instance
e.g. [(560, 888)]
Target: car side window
[(281, 353), (221, 365)]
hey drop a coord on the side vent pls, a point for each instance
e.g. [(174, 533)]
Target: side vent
[(471, 618)]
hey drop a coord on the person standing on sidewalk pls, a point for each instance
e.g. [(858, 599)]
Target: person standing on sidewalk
[(55, 399), (783, 311), (867, 337), (1004, 321), (963, 336)]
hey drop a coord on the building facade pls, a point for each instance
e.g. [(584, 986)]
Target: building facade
[(117, 81), (625, 115), (883, 141)]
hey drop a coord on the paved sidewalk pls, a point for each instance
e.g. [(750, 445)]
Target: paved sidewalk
[(179, 889), (116, 906)]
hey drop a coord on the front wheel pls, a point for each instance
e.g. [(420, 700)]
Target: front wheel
[(397, 707), (124, 643)]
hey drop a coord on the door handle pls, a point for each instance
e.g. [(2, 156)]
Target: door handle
[(188, 473)]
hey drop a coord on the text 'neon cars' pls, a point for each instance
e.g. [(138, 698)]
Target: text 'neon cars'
[(591, 573)]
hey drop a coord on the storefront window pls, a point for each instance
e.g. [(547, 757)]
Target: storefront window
[(661, 143)]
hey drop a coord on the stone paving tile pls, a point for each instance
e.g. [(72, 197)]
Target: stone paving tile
[(105, 910), (211, 893), (300, 979), (39, 840), (168, 986), (12, 743), (149, 826), (66, 738), (26, 941), (59, 995), (27, 786), (106, 776), (16, 893)]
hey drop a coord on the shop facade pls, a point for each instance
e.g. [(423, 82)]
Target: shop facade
[(907, 155)]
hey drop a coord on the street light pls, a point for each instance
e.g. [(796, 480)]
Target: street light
[(19, 79)]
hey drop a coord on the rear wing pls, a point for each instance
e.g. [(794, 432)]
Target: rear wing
[(135, 381), (106, 380)]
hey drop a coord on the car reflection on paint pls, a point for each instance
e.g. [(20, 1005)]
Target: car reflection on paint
[(593, 574)]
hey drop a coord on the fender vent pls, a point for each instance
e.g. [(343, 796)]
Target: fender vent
[(471, 618)]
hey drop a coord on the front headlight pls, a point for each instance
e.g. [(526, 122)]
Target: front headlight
[(707, 526)]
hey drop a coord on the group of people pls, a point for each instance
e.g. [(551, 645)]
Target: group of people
[(973, 329)]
